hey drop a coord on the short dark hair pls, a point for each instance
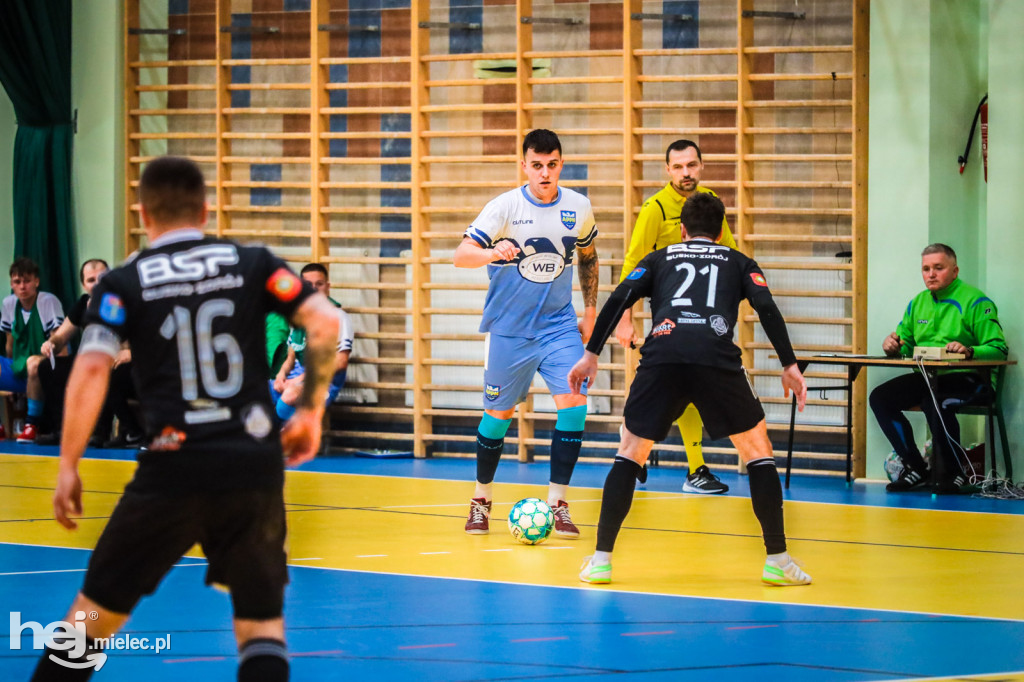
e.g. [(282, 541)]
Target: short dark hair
[(24, 267), (702, 215), (680, 145), (172, 190), (542, 141), (91, 261), (314, 267), (939, 248)]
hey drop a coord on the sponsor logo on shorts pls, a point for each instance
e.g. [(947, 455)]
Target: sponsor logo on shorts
[(692, 315), (720, 325), (257, 422), (491, 391), (759, 279), (690, 320), (112, 309), (664, 328), (637, 273), (169, 439), (922, 321), (569, 219), (284, 285)]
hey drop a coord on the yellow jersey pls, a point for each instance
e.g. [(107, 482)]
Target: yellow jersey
[(657, 226)]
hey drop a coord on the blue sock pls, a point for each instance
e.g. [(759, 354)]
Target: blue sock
[(35, 411), (284, 410), (490, 439), (566, 442)]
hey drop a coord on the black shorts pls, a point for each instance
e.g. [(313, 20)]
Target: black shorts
[(242, 534), (659, 395)]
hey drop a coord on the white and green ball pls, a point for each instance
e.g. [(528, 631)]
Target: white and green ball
[(531, 521)]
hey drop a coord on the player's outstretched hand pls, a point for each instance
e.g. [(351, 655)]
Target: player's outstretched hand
[(67, 498), (793, 380), (300, 437), (584, 370)]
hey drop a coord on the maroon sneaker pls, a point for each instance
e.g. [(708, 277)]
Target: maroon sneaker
[(28, 434), (564, 527), (479, 513)]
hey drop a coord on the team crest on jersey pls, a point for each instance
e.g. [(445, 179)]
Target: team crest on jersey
[(284, 285), (491, 391), (720, 325), (112, 309), (664, 328), (569, 219), (759, 279), (637, 273)]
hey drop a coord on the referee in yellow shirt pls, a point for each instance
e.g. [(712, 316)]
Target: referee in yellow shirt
[(657, 226)]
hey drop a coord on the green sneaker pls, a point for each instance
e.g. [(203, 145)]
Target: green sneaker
[(595, 575), (785, 575)]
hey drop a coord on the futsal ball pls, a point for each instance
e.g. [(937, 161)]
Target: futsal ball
[(894, 465), (531, 521)]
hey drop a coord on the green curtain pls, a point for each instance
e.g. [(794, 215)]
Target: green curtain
[(35, 70)]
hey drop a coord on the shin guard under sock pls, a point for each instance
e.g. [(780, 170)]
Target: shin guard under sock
[(766, 498), (616, 501)]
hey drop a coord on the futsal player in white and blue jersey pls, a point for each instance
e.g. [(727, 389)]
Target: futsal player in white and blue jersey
[(528, 238)]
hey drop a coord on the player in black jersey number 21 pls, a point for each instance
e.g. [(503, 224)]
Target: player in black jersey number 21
[(689, 357), (212, 472)]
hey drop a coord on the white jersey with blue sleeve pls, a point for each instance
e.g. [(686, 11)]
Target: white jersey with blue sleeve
[(531, 295)]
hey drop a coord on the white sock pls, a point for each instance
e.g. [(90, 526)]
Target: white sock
[(483, 490), (779, 560), (601, 558), (556, 493)]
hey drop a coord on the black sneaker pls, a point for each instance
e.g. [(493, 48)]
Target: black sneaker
[(950, 486), (703, 482), (48, 439), (128, 441), (908, 480)]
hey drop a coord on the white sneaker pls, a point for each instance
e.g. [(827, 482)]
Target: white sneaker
[(595, 575), (787, 574)]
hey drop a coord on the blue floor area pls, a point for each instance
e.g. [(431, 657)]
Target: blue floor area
[(345, 625), (825, 489)]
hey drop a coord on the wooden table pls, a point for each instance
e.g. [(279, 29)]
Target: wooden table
[(853, 365)]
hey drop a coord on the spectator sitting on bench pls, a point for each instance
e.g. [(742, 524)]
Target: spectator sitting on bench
[(287, 385), (28, 317), (54, 375)]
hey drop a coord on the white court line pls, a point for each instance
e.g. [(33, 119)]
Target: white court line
[(80, 570)]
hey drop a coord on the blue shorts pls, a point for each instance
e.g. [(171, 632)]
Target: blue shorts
[(8, 381), (511, 361)]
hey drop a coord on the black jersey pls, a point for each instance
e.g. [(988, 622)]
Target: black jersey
[(695, 289), (193, 310)]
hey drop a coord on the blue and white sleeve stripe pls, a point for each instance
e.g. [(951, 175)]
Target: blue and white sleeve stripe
[(479, 236)]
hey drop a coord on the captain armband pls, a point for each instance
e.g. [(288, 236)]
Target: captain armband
[(101, 339)]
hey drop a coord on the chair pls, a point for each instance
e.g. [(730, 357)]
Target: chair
[(993, 410)]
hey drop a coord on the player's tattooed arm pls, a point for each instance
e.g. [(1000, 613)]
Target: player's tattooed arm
[(587, 263)]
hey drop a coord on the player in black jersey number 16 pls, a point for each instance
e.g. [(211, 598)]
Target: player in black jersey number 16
[(193, 308), (689, 357)]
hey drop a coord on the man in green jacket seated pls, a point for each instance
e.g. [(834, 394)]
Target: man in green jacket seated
[(962, 319)]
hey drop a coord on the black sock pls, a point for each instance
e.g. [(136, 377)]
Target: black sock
[(48, 670), (565, 450), (766, 497), (615, 503), (488, 454), (263, 659)]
